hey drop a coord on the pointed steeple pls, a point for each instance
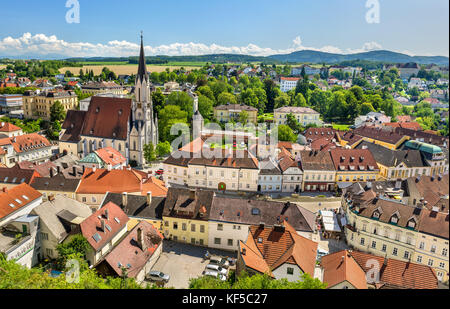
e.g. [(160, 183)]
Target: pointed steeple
[(142, 69)]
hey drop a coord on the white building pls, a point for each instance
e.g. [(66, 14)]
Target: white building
[(288, 83)]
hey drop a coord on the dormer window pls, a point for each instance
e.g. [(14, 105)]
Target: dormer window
[(394, 219), (376, 214), (412, 223)]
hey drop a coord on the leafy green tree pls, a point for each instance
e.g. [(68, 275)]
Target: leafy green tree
[(282, 100), (205, 107), (57, 112), (243, 117), (163, 149), (293, 124), (168, 116), (158, 100), (149, 153), (299, 100), (78, 245), (285, 134), (225, 98), (183, 100)]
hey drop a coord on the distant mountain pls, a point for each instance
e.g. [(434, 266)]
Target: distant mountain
[(377, 56)]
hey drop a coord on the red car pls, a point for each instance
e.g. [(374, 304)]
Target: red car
[(159, 172)]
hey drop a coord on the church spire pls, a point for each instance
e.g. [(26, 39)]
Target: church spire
[(142, 69)]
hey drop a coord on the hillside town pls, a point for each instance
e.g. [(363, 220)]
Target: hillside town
[(359, 172)]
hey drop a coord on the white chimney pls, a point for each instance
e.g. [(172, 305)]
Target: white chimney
[(109, 167), (149, 197), (124, 199), (94, 169), (140, 239), (103, 225)]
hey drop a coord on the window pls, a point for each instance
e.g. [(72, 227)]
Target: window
[(217, 241), (444, 251), (192, 227), (83, 199), (290, 271), (433, 249), (419, 259), (230, 242), (362, 241), (175, 226), (44, 236), (183, 226), (394, 219), (193, 241), (383, 248), (442, 265), (430, 262), (395, 251), (49, 252), (406, 255), (421, 245), (220, 227), (166, 223), (202, 228), (374, 244), (201, 242)]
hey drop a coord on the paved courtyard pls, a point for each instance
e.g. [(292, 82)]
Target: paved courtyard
[(183, 262)]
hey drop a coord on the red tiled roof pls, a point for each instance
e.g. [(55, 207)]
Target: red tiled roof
[(8, 127), (23, 193), (92, 225), (353, 160), (409, 275), (110, 156), (118, 181), (42, 169), (128, 251), (272, 247), (107, 117), (23, 143), (341, 266)]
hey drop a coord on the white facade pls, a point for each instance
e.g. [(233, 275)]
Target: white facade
[(287, 84), (226, 235)]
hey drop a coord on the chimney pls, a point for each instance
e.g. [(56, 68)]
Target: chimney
[(58, 169), (94, 169), (84, 168), (109, 167), (5, 190), (244, 251), (124, 199), (103, 225), (140, 239), (192, 194), (149, 197), (51, 197), (106, 214), (74, 168), (52, 172)]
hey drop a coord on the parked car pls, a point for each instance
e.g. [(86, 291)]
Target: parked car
[(217, 268), (215, 274), (157, 276), (159, 172), (219, 261)]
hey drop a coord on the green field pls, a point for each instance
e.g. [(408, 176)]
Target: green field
[(106, 63), (341, 127)]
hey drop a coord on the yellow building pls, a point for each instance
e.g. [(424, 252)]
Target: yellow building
[(228, 112), (304, 115), (388, 227), (95, 88), (37, 105), (354, 165), (185, 216)]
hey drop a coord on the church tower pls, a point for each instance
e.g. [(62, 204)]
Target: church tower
[(143, 107), (143, 121)]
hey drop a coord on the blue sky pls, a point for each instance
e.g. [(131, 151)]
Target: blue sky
[(259, 27)]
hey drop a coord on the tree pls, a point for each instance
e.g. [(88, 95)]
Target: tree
[(293, 123), (168, 116), (205, 106), (225, 98), (299, 100), (149, 153), (158, 100), (57, 112), (271, 93), (243, 117), (183, 100), (163, 149), (282, 100), (78, 245), (285, 134)]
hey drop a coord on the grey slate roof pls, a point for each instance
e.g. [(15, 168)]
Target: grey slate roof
[(253, 212), (388, 157), (137, 205), (51, 213), (56, 183)]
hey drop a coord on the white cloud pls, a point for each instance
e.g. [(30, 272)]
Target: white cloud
[(42, 45)]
